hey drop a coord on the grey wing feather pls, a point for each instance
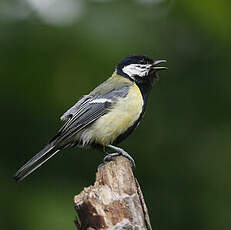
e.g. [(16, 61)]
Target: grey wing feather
[(70, 112), (86, 111), (89, 115)]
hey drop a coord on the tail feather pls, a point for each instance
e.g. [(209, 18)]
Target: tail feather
[(39, 159)]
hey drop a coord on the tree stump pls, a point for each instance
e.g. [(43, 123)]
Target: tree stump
[(114, 202)]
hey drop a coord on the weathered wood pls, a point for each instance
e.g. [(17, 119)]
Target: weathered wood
[(114, 202)]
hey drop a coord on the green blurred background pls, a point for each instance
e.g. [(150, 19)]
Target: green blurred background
[(54, 51)]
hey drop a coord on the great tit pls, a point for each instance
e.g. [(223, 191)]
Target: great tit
[(107, 115)]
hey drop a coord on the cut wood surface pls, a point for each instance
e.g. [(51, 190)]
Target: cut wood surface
[(114, 202)]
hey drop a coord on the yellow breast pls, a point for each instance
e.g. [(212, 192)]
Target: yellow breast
[(123, 115)]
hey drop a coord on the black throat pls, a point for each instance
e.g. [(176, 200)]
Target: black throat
[(145, 86)]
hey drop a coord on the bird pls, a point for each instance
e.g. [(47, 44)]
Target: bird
[(107, 115)]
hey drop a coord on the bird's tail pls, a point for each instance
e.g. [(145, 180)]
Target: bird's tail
[(40, 158)]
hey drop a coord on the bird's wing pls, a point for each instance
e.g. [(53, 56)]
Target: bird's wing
[(87, 110), (70, 112)]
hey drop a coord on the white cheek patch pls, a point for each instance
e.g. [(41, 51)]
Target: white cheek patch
[(136, 69), (100, 100)]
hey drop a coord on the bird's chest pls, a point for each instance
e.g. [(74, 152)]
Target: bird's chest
[(121, 116)]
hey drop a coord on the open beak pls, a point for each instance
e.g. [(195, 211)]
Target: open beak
[(155, 66)]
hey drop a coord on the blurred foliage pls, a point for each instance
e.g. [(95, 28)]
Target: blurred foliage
[(52, 52)]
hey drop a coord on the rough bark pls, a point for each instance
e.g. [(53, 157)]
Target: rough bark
[(114, 202)]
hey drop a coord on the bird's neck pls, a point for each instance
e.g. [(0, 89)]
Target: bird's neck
[(146, 86)]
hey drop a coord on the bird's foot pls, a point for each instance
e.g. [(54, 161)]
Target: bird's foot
[(108, 158), (119, 152)]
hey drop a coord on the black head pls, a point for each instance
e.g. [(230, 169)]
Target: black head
[(138, 67)]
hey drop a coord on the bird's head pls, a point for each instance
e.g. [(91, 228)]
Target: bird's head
[(139, 68)]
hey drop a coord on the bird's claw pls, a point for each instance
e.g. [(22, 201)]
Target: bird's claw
[(107, 158), (129, 158), (102, 164), (120, 152), (110, 157)]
